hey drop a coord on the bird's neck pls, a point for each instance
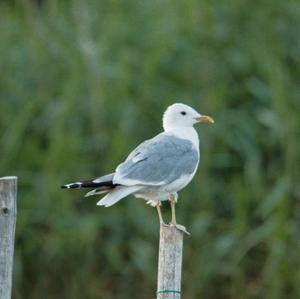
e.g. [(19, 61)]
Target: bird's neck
[(188, 133)]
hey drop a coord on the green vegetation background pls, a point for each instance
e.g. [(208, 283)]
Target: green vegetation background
[(83, 82)]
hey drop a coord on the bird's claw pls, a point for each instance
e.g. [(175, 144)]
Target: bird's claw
[(180, 227), (164, 224)]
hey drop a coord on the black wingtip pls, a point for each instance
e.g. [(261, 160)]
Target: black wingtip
[(63, 187)]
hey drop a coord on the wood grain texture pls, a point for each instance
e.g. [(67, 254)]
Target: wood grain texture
[(169, 263), (8, 212)]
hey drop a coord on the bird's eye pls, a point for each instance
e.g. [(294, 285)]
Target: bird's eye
[(183, 113)]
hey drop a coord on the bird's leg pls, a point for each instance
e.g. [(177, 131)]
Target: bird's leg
[(173, 201), (161, 220)]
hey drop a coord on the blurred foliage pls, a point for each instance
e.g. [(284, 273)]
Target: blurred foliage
[(83, 82)]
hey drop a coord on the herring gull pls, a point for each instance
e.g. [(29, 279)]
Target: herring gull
[(158, 168)]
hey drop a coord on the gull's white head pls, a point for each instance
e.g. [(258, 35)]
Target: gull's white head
[(180, 115)]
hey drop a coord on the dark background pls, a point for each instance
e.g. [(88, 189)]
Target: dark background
[(83, 82)]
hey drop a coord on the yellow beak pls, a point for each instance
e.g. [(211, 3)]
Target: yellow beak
[(205, 119)]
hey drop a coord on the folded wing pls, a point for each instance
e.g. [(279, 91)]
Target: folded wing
[(158, 161)]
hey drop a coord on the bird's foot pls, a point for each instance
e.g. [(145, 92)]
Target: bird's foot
[(164, 224), (180, 227)]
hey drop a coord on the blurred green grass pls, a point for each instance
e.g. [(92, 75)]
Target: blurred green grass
[(83, 82)]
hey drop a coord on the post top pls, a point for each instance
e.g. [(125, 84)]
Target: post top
[(8, 178)]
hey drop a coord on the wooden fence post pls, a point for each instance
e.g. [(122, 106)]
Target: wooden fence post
[(169, 263), (8, 212)]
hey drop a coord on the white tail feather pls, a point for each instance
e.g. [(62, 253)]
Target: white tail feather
[(117, 194), (95, 192)]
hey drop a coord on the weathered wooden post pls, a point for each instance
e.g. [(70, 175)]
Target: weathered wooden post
[(169, 263), (8, 212)]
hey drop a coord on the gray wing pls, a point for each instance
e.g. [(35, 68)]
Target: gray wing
[(158, 161)]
